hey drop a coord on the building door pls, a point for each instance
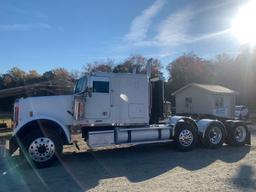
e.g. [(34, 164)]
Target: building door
[(220, 109)]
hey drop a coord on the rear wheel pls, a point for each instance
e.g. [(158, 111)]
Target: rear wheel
[(237, 135), (185, 137), (41, 150), (214, 136)]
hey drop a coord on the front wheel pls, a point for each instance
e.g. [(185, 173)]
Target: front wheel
[(41, 150), (185, 137)]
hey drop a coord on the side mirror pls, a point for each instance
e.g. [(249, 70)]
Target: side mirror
[(89, 92)]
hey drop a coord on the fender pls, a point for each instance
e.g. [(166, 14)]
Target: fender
[(174, 120), (13, 142), (64, 128), (203, 124)]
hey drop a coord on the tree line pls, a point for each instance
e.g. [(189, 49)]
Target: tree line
[(235, 72)]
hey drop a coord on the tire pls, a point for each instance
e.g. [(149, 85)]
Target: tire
[(214, 136), (237, 135), (185, 137), (42, 149)]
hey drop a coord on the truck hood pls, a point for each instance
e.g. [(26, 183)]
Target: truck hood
[(56, 107)]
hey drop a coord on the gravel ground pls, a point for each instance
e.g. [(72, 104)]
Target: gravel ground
[(140, 168)]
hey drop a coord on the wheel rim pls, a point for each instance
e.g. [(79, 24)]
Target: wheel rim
[(186, 138), (41, 149), (215, 135), (240, 134)]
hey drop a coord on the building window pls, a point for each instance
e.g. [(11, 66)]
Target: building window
[(219, 102), (101, 86), (188, 102)]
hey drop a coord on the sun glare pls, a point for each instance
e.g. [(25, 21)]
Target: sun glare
[(244, 25)]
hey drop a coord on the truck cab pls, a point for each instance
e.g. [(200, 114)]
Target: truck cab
[(109, 99)]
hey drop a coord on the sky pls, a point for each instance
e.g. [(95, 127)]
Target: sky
[(43, 35)]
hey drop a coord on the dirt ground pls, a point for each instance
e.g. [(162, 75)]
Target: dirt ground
[(139, 168)]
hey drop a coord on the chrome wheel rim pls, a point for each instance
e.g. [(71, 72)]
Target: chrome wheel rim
[(186, 138), (41, 149), (215, 135), (240, 134)]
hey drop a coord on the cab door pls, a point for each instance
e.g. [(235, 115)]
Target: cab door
[(97, 105)]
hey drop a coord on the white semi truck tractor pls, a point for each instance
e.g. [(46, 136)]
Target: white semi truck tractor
[(111, 109)]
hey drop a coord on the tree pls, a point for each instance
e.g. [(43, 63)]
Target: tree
[(136, 62), (1, 82), (57, 74), (244, 79), (189, 68), (75, 74), (33, 77), (61, 74), (103, 66), (139, 63), (48, 76), (224, 70), (17, 75), (8, 81), (156, 67)]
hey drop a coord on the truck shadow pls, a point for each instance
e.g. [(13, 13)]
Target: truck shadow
[(83, 171)]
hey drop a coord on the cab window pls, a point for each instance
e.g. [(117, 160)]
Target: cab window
[(80, 85)]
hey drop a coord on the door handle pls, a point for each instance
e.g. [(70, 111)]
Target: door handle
[(111, 98)]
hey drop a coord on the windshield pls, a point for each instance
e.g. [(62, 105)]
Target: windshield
[(80, 85)]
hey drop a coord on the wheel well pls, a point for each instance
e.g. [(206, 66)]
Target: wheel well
[(185, 120), (191, 122), (42, 125)]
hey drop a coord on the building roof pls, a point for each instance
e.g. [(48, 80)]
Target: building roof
[(211, 88)]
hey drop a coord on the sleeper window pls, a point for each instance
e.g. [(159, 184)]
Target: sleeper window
[(101, 86)]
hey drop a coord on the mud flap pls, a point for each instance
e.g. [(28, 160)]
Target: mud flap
[(248, 139), (13, 145)]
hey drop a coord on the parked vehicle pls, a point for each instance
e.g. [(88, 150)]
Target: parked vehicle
[(241, 112), (111, 109)]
